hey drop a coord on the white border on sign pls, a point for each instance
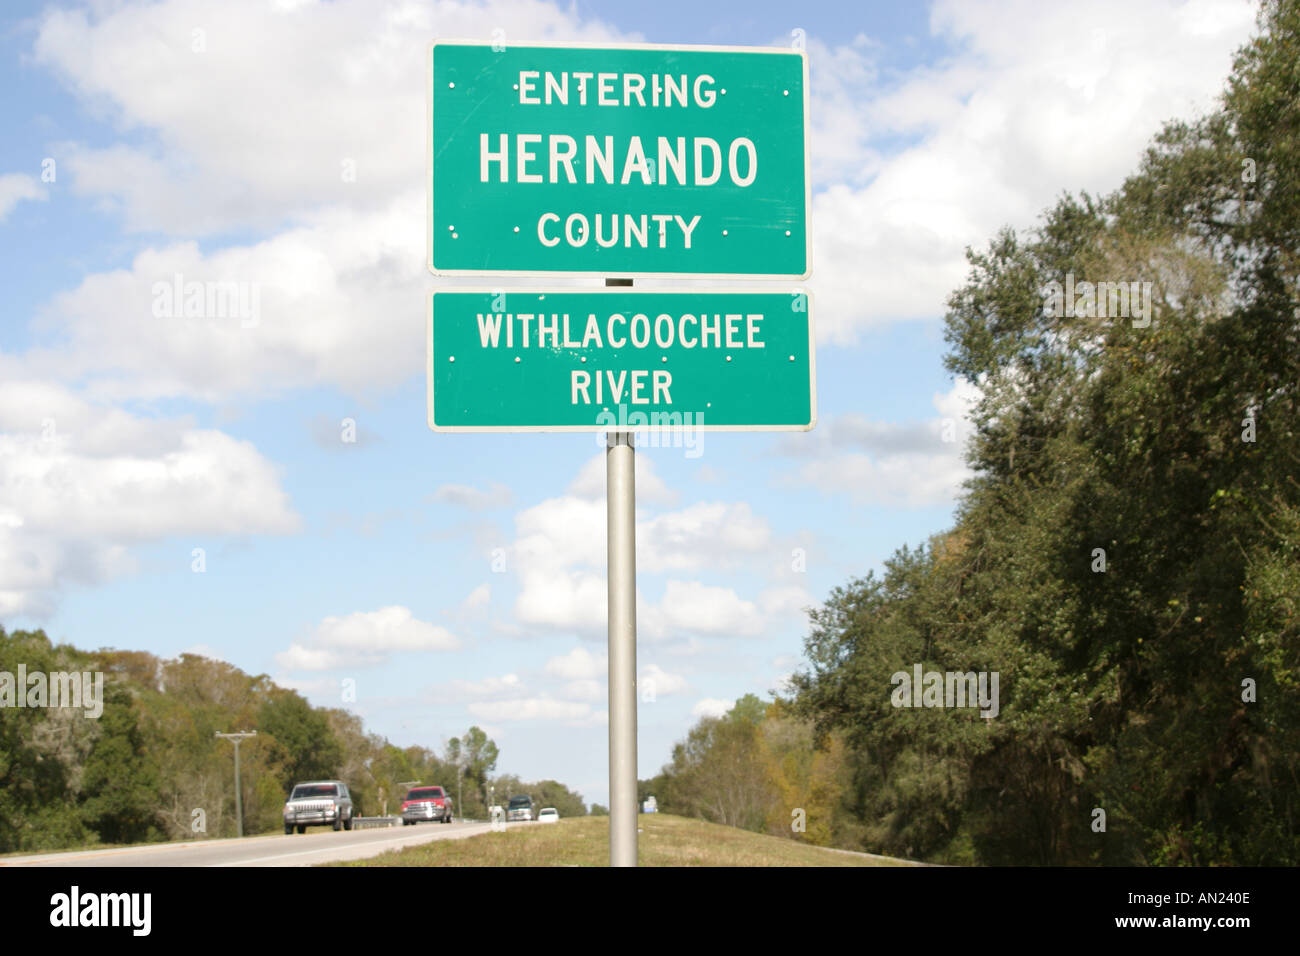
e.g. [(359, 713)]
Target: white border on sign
[(624, 290), (701, 48)]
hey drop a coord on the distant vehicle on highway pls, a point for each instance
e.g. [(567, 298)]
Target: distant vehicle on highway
[(426, 803), (650, 805), (519, 808), (318, 803), (548, 815)]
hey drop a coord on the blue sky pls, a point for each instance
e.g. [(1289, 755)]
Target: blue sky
[(459, 579)]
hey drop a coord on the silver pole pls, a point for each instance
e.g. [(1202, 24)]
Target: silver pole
[(621, 509), (620, 495)]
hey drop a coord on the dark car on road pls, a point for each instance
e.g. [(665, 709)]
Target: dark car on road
[(520, 808)]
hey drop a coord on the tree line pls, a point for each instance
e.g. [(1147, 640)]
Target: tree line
[(149, 768), (1126, 558)]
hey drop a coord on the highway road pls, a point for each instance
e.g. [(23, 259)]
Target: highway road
[(317, 845)]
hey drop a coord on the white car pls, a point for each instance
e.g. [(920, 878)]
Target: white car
[(548, 815)]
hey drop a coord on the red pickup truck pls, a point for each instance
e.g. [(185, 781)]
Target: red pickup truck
[(426, 803)]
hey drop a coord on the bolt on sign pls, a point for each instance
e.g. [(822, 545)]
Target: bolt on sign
[(633, 161), (620, 360)]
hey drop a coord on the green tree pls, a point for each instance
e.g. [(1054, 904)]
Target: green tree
[(41, 750), (307, 747), (1125, 556), (718, 773), (552, 793), (476, 756), (120, 779)]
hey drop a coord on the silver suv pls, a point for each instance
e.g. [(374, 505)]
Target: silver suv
[(318, 803)]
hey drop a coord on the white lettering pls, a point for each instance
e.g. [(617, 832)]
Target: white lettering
[(541, 229)]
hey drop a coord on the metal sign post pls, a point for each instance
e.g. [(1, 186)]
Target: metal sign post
[(620, 511)]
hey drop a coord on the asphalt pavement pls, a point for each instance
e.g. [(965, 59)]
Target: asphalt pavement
[(317, 845)]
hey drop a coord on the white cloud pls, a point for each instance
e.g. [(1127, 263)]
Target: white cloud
[(559, 556), (559, 547), (583, 690), (790, 599), (495, 496), (908, 481), (336, 302), (711, 707), (696, 608), (840, 80), (1035, 99), (899, 464), (562, 599), (392, 628), (84, 484), (560, 532), (366, 638), (659, 681), (300, 657), (321, 688), (481, 596), (704, 535), (532, 708), (577, 664), (570, 531), (305, 94), (256, 126), (560, 561), (508, 685), (14, 188), (650, 488)]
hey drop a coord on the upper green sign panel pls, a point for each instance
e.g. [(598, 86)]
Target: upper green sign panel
[(618, 161)]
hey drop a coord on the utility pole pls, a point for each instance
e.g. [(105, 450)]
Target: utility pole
[(237, 739)]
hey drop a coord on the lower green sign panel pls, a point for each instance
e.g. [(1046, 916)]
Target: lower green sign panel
[(621, 360)]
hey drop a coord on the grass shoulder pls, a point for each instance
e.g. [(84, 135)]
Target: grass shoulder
[(664, 840)]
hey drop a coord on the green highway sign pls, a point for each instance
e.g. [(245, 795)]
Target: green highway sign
[(621, 360), (633, 161)]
